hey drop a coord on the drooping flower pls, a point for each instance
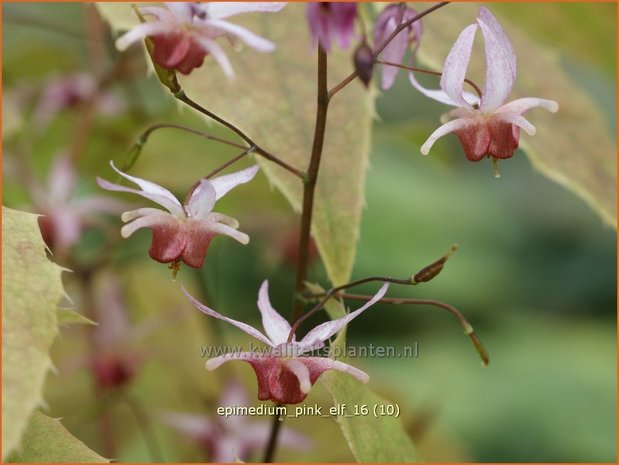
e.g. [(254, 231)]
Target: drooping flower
[(386, 23), (486, 126), (71, 90), (284, 374), (330, 21), (64, 214), (226, 439), (184, 33), (185, 231)]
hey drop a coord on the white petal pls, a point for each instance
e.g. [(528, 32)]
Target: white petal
[(224, 219), (242, 326), (324, 331), (160, 218), (253, 40), (302, 374), (522, 105), (213, 48), (445, 129), (216, 362), (276, 326), (518, 120), (149, 190), (321, 364), (226, 230), (500, 62), (141, 31), (182, 10), (218, 10), (202, 200), (456, 64), (223, 184)]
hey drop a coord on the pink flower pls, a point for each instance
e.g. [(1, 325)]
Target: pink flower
[(283, 374), (185, 231), (486, 126), (184, 33), (387, 22), (332, 20), (70, 90), (65, 215), (228, 439)]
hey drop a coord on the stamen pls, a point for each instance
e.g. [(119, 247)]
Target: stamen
[(495, 167), (175, 267)]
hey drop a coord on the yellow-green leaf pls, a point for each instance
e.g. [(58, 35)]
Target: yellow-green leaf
[(45, 440), (572, 147), (370, 439), (273, 99), (31, 290)]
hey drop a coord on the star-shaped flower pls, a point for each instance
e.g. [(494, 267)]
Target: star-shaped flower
[(185, 32), (227, 439), (185, 231), (283, 374), (486, 126), (332, 20)]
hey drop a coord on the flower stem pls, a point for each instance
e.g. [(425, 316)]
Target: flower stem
[(180, 95), (466, 326), (382, 46), (276, 423), (427, 71)]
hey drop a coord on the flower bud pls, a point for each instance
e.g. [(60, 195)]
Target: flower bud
[(364, 62), (433, 269)]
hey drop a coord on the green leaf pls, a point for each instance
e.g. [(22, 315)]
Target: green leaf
[(45, 440), (69, 317), (572, 147), (31, 289), (370, 439), (273, 99)]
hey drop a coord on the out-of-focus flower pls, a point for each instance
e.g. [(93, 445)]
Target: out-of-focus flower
[(485, 126), (71, 90), (185, 231), (386, 23), (330, 21), (229, 438), (283, 374), (65, 215), (184, 32)]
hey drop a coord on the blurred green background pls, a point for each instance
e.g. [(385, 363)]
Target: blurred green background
[(535, 273)]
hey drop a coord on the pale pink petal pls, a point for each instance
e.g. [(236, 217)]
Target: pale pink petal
[(162, 14), (224, 219), (325, 330), (318, 365), (133, 214), (518, 120), (97, 204), (195, 426), (67, 227), (61, 180), (242, 326), (500, 62), (182, 10), (234, 394), (151, 220), (141, 31), (393, 53), (253, 40), (456, 64), (223, 184), (275, 326), (438, 95), (202, 200), (219, 10), (211, 47), (257, 434), (445, 129), (301, 372), (149, 190), (219, 228), (522, 105)]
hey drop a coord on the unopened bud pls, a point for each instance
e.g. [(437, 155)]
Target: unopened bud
[(364, 62), (429, 272)]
